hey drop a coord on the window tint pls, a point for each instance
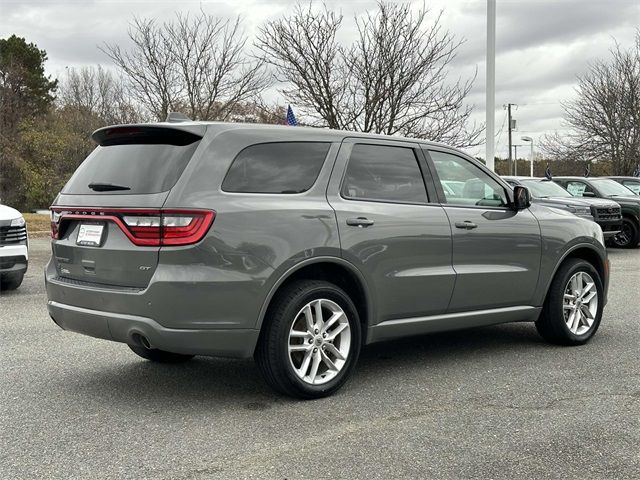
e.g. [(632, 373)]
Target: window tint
[(141, 168), (379, 172), (286, 167), (475, 186), (632, 185)]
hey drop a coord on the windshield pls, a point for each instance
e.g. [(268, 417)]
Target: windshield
[(610, 187), (543, 188), (632, 185)]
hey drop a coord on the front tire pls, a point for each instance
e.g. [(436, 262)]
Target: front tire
[(573, 308), (160, 356), (11, 281), (628, 236), (311, 340)]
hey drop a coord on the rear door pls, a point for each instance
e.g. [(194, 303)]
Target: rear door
[(496, 250), (390, 229), (112, 201)]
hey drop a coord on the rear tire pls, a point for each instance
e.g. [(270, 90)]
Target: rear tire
[(310, 341), (571, 314), (11, 281), (628, 236), (160, 356)]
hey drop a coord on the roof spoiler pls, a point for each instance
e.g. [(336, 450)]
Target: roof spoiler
[(147, 134)]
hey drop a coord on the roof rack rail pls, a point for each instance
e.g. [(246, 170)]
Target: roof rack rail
[(176, 117)]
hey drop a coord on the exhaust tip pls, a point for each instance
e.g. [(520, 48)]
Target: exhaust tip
[(141, 340)]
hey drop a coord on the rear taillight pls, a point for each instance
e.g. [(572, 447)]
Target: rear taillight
[(143, 227)]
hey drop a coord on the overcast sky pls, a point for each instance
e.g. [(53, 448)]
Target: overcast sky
[(541, 44)]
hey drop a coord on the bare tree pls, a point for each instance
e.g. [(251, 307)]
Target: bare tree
[(393, 79), (604, 119), (96, 91), (194, 64), (306, 56)]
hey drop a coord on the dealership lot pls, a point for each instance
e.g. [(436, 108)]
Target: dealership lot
[(495, 402)]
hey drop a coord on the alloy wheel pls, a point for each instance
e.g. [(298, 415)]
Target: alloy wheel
[(319, 341), (580, 304), (623, 238)]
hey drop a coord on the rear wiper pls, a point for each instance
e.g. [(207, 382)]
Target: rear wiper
[(107, 187)]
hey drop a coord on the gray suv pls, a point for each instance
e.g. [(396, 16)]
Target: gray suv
[(298, 246)]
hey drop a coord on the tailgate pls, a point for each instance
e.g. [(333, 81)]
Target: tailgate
[(106, 222)]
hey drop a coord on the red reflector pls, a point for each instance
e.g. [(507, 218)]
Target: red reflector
[(143, 227)]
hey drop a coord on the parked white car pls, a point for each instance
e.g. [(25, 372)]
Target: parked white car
[(14, 248)]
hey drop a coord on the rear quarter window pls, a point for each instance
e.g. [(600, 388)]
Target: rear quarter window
[(282, 167)]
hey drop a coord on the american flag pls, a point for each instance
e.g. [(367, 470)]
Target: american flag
[(291, 118)]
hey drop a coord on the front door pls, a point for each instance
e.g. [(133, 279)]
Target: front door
[(496, 250), (390, 230)]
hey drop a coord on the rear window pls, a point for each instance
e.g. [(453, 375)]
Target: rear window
[(139, 168), (285, 167)]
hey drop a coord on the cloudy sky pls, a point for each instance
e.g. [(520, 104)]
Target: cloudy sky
[(541, 44)]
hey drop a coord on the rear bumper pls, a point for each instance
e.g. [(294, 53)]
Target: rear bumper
[(237, 343)]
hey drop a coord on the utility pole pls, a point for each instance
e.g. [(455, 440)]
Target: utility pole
[(491, 85), (509, 105)]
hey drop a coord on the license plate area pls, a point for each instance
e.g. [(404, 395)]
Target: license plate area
[(90, 234)]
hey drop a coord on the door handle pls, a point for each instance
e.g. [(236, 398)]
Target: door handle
[(467, 225), (359, 222)]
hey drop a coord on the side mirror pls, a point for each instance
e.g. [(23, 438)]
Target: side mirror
[(521, 197), (588, 194)]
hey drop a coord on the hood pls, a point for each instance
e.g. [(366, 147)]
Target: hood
[(8, 213), (631, 199), (564, 201), (557, 211), (597, 202)]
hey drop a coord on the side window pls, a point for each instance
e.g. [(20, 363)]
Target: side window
[(475, 187), (383, 173), (577, 189), (285, 167), (632, 185)]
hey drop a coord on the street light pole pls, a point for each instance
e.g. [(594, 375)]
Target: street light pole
[(491, 85), (529, 139)]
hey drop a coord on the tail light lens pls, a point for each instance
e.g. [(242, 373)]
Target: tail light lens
[(162, 227)]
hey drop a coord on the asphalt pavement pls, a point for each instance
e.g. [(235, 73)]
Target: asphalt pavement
[(495, 402)]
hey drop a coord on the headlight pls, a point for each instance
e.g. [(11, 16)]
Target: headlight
[(18, 222), (579, 210)]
